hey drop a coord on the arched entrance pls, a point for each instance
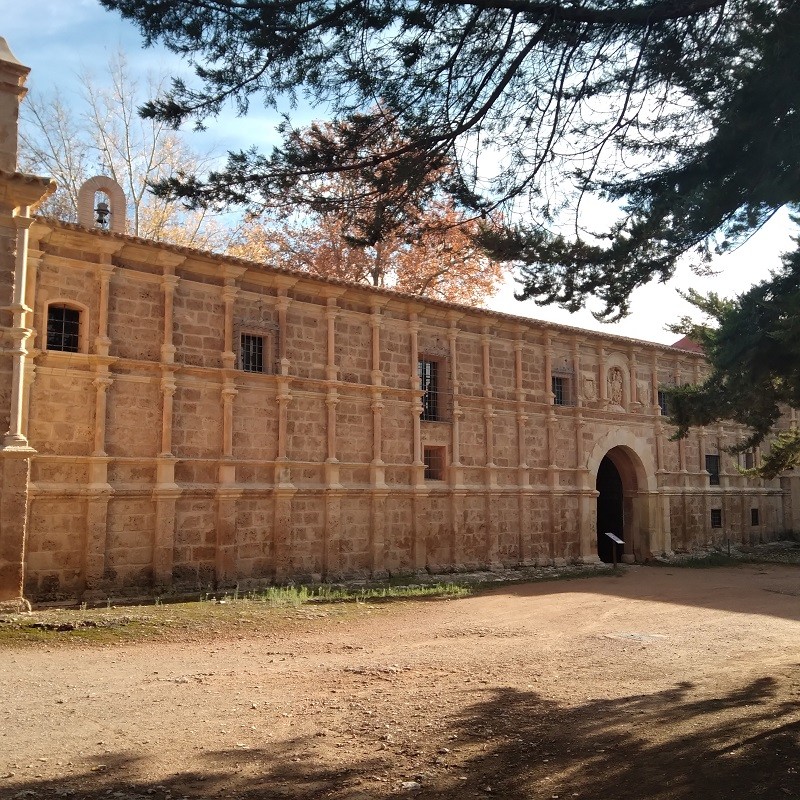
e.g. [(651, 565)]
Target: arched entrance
[(610, 516), (622, 506)]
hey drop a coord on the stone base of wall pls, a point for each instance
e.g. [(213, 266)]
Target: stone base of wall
[(14, 473), (198, 540)]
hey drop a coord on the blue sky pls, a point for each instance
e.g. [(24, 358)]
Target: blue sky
[(58, 39)]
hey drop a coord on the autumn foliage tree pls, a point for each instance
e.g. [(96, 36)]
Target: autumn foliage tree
[(364, 225)]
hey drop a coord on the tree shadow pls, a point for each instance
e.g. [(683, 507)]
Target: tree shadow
[(768, 591), (668, 745)]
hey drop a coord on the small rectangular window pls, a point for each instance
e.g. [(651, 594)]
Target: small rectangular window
[(434, 459), (749, 460), (754, 516), (430, 383), (251, 353), (712, 468), (716, 517), (63, 329), (662, 403), (560, 391)]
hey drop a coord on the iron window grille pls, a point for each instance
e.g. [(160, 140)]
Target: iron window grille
[(663, 404), (432, 382), (712, 468), (63, 329), (754, 520), (251, 353), (560, 387), (716, 517)]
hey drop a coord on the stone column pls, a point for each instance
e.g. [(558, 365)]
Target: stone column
[(377, 533), (490, 477), (18, 333), (552, 467), (333, 496), (169, 283), (163, 544), (228, 493), (283, 309), (94, 561), (102, 343), (418, 466), (229, 392), (101, 384), (654, 384), (18, 194), (166, 491), (602, 376), (456, 472), (229, 292), (377, 466), (16, 453), (633, 379), (226, 550), (168, 387), (525, 522)]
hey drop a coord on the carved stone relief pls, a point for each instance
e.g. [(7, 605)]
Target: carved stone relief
[(615, 385)]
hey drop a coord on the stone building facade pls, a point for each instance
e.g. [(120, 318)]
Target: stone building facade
[(179, 421)]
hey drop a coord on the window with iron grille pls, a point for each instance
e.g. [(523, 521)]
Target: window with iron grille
[(749, 460), (662, 403), (712, 468), (63, 329), (716, 517), (560, 387), (754, 516), (251, 353), (430, 381), (434, 459)]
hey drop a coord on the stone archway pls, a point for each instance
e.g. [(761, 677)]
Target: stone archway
[(626, 496), (610, 511), (621, 508)]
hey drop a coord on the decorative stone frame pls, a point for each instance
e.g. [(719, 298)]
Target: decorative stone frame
[(618, 363), (563, 370), (83, 325), (269, 333), (441, 358)]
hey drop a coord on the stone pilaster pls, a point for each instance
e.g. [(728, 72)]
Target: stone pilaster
[(377, 468), (96, 584), (165, 496), (418, 466), (225, 556), (377, 533)]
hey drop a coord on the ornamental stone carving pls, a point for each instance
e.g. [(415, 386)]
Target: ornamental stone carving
[(615, 385)]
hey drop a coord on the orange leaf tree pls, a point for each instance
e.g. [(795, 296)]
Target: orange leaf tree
[(362, 224)]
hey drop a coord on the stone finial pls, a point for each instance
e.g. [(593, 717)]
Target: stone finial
[(108, 216), (12, 89)]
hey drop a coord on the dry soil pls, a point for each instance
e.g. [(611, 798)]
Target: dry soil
[(663, 683)]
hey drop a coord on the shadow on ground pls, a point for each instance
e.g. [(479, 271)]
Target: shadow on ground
[(671, 745)]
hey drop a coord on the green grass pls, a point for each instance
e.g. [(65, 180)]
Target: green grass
[(706, 561), (294, 596)]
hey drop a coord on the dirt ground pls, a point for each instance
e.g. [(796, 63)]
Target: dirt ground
[(662, 683)]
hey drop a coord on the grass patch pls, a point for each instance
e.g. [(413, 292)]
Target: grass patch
[(294, 596), (212, 616), (234, 614), (706, 561)]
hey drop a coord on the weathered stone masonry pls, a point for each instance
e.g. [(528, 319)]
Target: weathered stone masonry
[(151, 461)]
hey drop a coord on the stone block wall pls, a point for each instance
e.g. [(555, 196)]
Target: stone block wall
[(161, 465)]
